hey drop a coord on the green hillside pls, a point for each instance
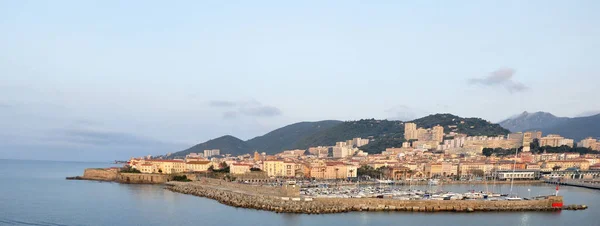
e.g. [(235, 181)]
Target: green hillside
[(287, 137), (469, 126), (387, 133), (365, 128), (383, 133), (227, 144)]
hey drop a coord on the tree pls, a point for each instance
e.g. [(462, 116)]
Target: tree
[(534, 146), (369, 171), (223, 165), (557, 167), (477, 172), (129, 169), (254, 169), (182, 178), (160, 171)]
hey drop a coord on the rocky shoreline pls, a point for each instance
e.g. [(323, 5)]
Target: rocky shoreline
[(337, 205)]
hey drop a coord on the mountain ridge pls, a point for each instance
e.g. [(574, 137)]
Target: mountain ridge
[(575, 128), (385, 133)]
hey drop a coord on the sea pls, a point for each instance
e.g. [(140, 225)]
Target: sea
[(36, 193)]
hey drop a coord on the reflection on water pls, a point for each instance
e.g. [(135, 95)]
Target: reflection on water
[(38, 194)]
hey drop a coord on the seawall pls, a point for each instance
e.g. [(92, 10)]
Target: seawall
[(233, 195), (113, 175), (100, 174)]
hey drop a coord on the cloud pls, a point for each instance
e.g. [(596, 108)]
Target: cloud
[(104, 138), (261, 111), (221, 103), (245, 108), (501, 77), (5, 105), (230, 114)]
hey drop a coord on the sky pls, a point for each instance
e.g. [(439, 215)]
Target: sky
[(105, 80)]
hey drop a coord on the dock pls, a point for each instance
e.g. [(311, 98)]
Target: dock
[(591, 184)]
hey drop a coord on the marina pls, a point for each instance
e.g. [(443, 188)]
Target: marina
[(431, 192)]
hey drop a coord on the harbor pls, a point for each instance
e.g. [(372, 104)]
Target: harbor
[(293, 199)]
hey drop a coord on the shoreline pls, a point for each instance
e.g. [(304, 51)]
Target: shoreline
[(262, 198)]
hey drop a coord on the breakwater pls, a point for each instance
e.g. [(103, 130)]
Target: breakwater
[(113, 175), (247, 196)]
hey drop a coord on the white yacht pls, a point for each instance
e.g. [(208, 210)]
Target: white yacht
[(433, 182)]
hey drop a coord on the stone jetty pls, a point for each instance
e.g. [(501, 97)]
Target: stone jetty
[(268, 198)]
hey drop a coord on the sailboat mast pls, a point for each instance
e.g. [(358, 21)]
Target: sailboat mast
[(512, 178)]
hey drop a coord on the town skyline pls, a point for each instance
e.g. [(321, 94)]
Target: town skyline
[(439, 152)]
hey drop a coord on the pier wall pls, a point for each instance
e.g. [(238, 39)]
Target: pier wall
[(441, 205), (111, 174), (100, 174), (282, 191), (255, 198), (139, 178)]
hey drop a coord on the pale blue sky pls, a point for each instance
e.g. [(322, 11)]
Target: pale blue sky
[(101, 80)]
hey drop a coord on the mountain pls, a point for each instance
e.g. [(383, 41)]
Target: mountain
[(302, 135), (273, 142), (364, 128), (227, 144), (469, 126), (528, 121), (387, 133), (287, 137), (575, 128)]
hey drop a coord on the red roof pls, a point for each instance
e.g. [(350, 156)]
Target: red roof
[(242, 164), (199, 162), (334, 163), (164, 160)]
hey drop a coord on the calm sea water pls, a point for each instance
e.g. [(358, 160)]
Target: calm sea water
[(36, 193)]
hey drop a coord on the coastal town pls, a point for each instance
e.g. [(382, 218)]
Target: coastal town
[(437, 153)]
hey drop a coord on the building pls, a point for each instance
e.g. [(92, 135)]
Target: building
[(467, 169), (165, 166), (437, 133), (211, 152), (148, 168), (359, 142), (516, 137), (292, 169), (291, 153), (337, 170), (518, 175), (274, 168), (343, 151), (441, 169), (257, 156), (320, 151), (198, 166), (424, 134), (589, 142), (554, 140), (566, 164), (410, 131), (239, 168), (529, 136), (194, 155), (567, 142)]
